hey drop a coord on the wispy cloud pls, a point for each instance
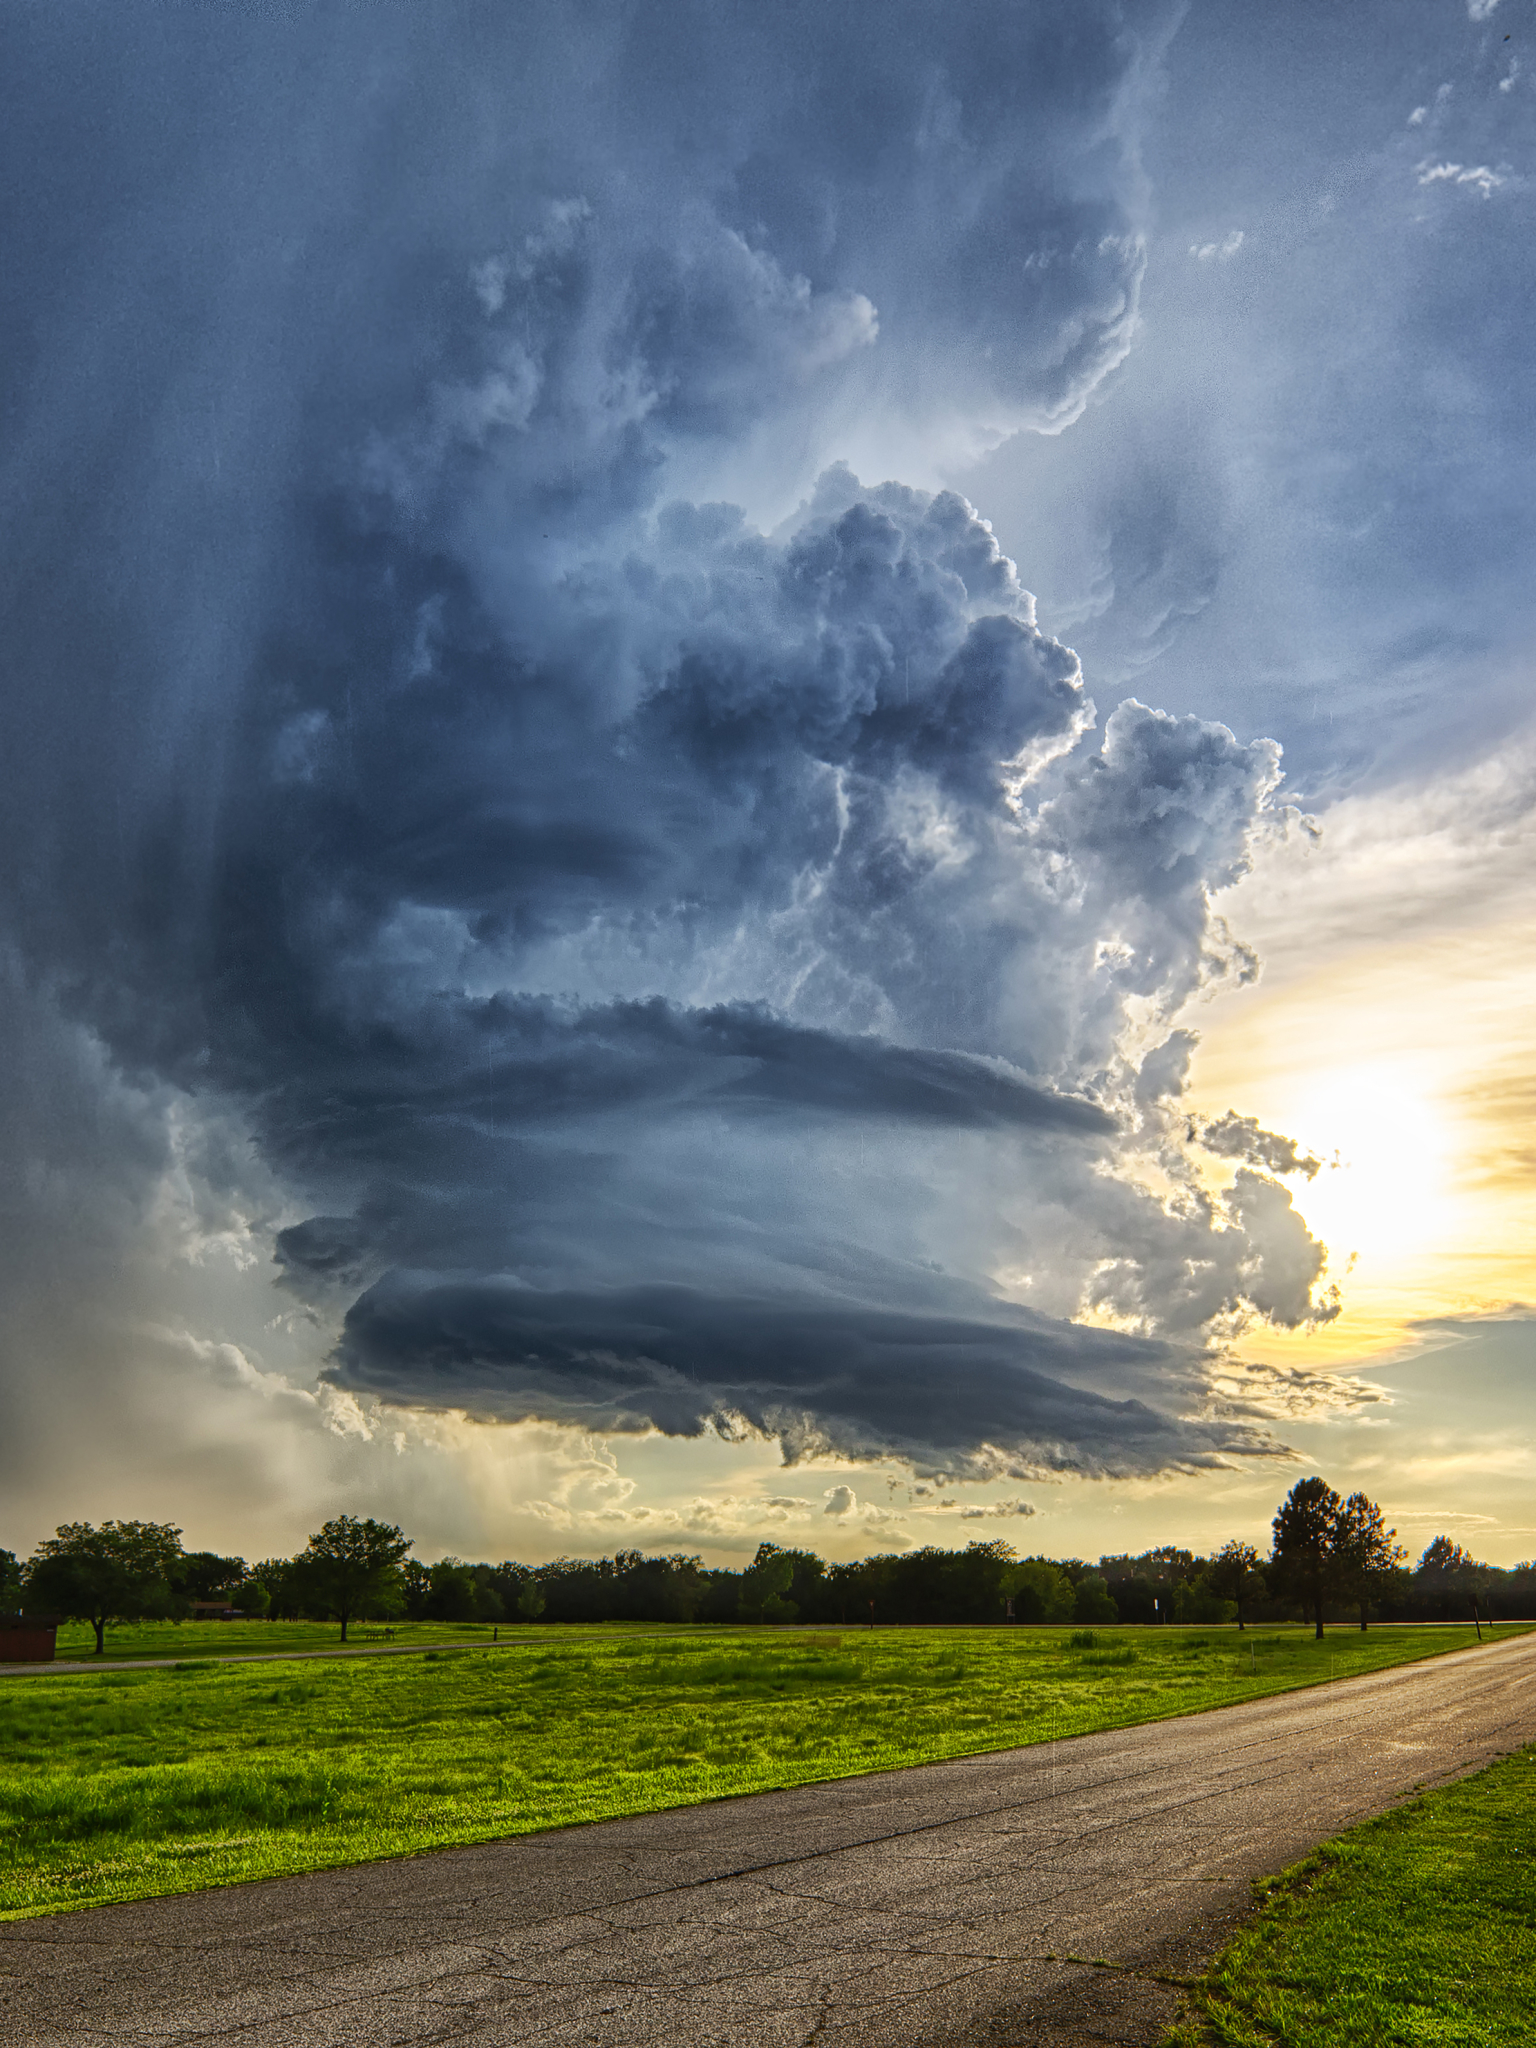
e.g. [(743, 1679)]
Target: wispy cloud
[(1480, 177)]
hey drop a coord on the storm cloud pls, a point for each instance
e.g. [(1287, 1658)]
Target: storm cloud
[(819, 1374), (662, 906)]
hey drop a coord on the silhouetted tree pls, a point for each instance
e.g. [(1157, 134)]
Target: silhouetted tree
[(1234, 1573), (1365, 1551), (119, 1572), (1040, 1591), (1304, 1554), (1092, 1600), (764, 1594)]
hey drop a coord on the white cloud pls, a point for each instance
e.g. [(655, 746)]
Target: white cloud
[(1479, 176), (1480, 10), (1418, 117), (1218, 252)]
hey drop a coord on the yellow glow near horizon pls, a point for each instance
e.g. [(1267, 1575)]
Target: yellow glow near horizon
[(1411, 1063)]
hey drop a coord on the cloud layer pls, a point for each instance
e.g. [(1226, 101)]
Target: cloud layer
[(686, 970)]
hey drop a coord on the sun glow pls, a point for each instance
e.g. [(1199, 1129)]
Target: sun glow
[(1389, 1150), (1394, 1071)]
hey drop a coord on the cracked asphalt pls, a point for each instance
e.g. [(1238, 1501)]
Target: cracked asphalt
[(1046, 1896)]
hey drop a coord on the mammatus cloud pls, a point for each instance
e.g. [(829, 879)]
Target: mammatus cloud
[(683, 972)]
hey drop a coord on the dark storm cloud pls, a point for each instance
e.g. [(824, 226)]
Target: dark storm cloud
[(543, 1064), (955, 1393), (587, 898)]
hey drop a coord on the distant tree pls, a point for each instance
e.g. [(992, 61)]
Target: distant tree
[(119, 1572), (451, 1591), (1200, 1600), (1442, 1557), (490, 1601), (10, 1582), (204, 1575), (286, 1583), (1234, 1573), (1366, 1552), (1040, 1591), (353, 1566), (530, 1601), (1092, 1600), (1304, 1555), (415, 1588), (251, 1597), (764, 1594)]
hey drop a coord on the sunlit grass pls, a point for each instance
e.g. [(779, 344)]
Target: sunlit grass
[(124, 1784), (1418, 1927)]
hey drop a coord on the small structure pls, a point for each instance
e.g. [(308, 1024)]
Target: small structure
[(27, 1638), (216, 1610)]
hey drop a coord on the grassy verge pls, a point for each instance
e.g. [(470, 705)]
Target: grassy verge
[(1419, 1927), (120, 1785)]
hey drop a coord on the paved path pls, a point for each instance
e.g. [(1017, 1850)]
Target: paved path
[(67, 1667), (940, 1907)]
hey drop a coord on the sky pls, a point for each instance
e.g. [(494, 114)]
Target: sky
[(768, 774)]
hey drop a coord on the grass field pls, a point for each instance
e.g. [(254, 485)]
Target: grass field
[(125, 1784), (1417, 1928)]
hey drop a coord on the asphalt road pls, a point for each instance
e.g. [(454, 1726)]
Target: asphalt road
[(1041, 1896)]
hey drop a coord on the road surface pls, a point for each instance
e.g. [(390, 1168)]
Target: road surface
[(1039, 1896)]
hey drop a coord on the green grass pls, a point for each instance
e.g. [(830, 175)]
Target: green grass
[(1417, 1928), (125, 1784)]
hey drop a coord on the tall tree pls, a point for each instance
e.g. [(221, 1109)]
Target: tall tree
[(1304, 1553), (119, 1572), (353, 1565), (1366, 1552), (765, 1588), (1234, 1574)]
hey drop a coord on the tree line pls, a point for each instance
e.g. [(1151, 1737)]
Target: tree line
[(1330, 1558)]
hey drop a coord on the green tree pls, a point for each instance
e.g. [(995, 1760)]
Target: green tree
[(352, 1566), (1039, 1590), (451, 1591), (1365, 1552), (1234, 1574), (10, 1582), (281, 1587), (530, 1600), (764, 1589), (119, 1572), (1093, 1600), (1305, 1554), (1198, 1600)]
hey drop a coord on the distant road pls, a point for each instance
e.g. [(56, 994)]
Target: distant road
[(946, 1906), (64, 1666)]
